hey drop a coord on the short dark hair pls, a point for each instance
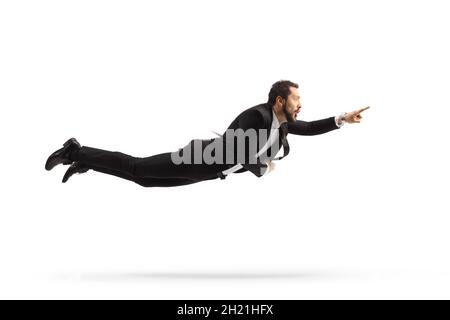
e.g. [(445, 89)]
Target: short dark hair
[(280, 88)]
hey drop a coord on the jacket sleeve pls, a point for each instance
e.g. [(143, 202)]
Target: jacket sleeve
[(253, 120), (311, 128)]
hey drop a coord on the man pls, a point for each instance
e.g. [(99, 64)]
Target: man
[(266, 126)]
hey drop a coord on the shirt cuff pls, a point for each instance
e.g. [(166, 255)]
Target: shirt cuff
[(336, 120)]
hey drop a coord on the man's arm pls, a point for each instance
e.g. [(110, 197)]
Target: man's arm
[(252, 120), (311, 128)]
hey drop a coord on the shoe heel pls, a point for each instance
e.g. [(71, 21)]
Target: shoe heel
[(70, 141)]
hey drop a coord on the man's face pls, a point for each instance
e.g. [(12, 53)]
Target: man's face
[(292, 106)]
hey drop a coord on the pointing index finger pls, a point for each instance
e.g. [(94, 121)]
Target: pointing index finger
[(361, 110)]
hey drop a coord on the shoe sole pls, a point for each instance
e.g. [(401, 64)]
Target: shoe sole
[(67, 175)]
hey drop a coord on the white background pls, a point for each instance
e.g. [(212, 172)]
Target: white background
[(360, 212)]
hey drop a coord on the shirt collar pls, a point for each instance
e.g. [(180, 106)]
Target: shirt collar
[(275, 122)]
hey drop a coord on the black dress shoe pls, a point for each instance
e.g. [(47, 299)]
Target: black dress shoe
[(76, 167), (62, 155)]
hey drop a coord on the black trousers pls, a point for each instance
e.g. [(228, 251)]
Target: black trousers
[(154, 171)]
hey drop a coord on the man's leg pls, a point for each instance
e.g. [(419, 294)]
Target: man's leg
[(157, 166), (158, 170)]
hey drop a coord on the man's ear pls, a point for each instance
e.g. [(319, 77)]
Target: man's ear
[(278, 102)]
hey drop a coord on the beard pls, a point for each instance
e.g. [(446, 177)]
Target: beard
[(289, 117)]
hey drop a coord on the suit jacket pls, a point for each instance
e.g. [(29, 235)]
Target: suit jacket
[(260, 117)]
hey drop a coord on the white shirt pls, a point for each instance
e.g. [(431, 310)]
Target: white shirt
[(274, 134)]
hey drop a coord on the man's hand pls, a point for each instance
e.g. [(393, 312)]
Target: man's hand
[(354, 116), (270, 167)]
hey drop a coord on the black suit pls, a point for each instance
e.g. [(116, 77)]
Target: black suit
[(160, 171), (261, 116)]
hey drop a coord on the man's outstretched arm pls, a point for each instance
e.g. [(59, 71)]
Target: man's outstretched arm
[(312, 128)]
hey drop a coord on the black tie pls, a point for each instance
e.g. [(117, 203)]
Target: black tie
[(283, 131)]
